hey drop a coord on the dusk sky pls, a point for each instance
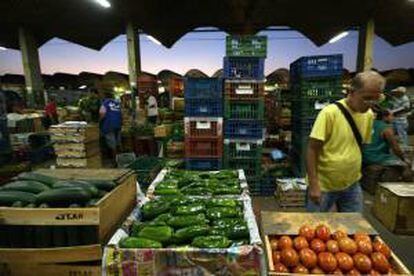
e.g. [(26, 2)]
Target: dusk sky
[(204, 51)]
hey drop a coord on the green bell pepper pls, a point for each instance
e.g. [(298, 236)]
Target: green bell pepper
[(184, 221), (133, 242), (223, 202), (211, 242), (191, 209), (154, 208), (156, 233), (222, 212), (188, 233)]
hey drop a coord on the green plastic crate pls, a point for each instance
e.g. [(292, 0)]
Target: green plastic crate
[(246, 46), (244, 109), (243, 149), (328, 88)]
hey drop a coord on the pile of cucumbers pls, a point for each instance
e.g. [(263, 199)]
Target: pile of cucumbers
[(179, 221), (34, 190), (180, 182)]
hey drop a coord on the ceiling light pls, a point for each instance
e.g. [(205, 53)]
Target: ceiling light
[(3, 48), (82, 87), (104, 3), (338, 37), (154, 40)]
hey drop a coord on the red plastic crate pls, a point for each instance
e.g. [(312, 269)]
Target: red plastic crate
[(204, 127), (238, 90), (203, 147)]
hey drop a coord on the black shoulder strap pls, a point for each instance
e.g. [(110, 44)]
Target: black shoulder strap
[(351, 123)]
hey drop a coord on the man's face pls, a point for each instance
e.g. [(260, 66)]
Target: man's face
[(366, 97)]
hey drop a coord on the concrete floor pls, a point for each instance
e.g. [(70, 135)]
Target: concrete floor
[(403, 246)]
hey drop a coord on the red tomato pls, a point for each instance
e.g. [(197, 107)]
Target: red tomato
[(354, 272), (322, 232), (327, 261), (339, 234), (284, 242), (348, 245), (337, 272), (307, 232), (345, 262), (332, 246), (300, 269), (276, 256), (374, 273), (273, 244), (279, 267), (361, 236), (382, 248), (317, 270), (318, 246), (380, 262), (364, 246), (362, 263), (300, 243), (289, 257), (308, 258)]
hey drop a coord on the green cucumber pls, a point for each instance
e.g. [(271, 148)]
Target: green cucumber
[(48, 180), (64, 197), (105, 185), (74, 183), (7, 198), (27, 186), (17, 204)]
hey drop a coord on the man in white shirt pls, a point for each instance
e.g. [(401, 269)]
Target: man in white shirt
[(400, 106), (152, 109)]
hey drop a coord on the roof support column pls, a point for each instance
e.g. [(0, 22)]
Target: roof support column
[(31, 67), (134, 65), (365, 46)]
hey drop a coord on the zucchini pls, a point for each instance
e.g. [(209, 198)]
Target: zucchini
[(45, 179), (27, 186), (156, 233), (7, 198), (105, 185), (64, 197), (18, 204), (74, 183), (133, 242)]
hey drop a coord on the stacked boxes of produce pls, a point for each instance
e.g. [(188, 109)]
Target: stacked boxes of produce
[(244, 106), (76, 145), (203, 123), (180, 229), (315, 82)]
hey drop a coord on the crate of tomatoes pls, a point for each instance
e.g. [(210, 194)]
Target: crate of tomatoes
[(329, 243)]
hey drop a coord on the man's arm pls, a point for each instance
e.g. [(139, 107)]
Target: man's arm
[(314, 150), (395, 147), (102, 112)]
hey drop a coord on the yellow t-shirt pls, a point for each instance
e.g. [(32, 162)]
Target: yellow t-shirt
[(339, 164)]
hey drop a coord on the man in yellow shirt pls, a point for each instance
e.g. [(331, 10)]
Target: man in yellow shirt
[(334, 156)]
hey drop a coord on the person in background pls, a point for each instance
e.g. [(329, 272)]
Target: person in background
[(383, 158), (51, 115), (400, 107), (111, 123), (152, 109), (334, 156)]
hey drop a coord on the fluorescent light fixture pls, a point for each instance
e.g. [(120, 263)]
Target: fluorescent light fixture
[(104, 3), (82, 87), (153, 40), (338, 37), (3, 48)]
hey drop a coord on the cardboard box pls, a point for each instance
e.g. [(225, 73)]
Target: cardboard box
[(393, 206)]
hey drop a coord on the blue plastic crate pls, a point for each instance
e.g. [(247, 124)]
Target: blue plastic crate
[(243, 68), (317, 67), (201, 164), (243, 129), (204, 107), (203, 88)]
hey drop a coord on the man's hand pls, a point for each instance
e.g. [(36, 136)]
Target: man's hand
[(314, 191)]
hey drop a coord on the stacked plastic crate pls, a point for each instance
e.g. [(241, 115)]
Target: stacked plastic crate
[(203, 123), (315, 82), (244, 106)]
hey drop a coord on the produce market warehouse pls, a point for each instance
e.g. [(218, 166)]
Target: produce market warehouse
[(210, 174)]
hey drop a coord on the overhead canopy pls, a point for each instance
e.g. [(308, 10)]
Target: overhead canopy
[(86, 23)]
